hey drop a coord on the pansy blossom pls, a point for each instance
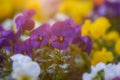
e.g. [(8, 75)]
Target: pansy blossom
[(40, 36)]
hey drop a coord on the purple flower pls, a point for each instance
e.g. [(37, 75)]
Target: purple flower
[(8, 34), (1, 28), (4, 42), (117, 78), (6, 37), (85, 43), (23, 48), (40, 36), (88, 44), (77, 27), (63, 33), (24, 22), (29, 13), (113, 8)]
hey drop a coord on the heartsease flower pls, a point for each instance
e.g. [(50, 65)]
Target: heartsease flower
[(63, 33), (40, 36), (24, 48), (85, 43), (24, 21)]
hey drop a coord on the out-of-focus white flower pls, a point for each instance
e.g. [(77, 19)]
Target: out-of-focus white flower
[(88, 76), (61, 17), (8, 24), (57, 17), (112, 71), (98, 67), (94, 71), (118, 69), (24, 68), (37, 24)]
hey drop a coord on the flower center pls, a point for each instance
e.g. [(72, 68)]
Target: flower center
[(24, 52), (25, 78), (61, 39), (40, 38)]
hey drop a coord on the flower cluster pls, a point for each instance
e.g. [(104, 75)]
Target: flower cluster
[(103, 72), (59, 35), (58, 40)]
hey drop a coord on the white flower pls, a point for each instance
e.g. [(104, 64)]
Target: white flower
[(100, 66), (19, 59), (94, 71), (112, 71), (24, 68), (88, 76), (8, 24), (109, 71)]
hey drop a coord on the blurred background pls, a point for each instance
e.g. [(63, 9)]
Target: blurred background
[(79, 10)]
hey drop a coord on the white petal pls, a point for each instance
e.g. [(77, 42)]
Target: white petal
[(87, 76), (110, 72)]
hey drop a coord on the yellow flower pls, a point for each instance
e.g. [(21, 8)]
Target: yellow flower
[(86, 27), (32, 4), (99, 27), (117, 46), (5, 8), (112, 36), (102, 56), (18, 3), (77, 9)]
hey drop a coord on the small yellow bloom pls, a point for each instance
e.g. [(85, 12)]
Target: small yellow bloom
[(102, 56), (5, 8), (34, 4), (18, 3), (77, 9), (112, 36), (86, 27), (99, 27), (117, 47)]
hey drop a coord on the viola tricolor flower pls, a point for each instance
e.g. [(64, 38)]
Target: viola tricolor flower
[(4, 42), (1, 28), (40, 36), (7, 37), (85, 43), (8, 34), (24, 21), (24, 48), (63, 33)]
